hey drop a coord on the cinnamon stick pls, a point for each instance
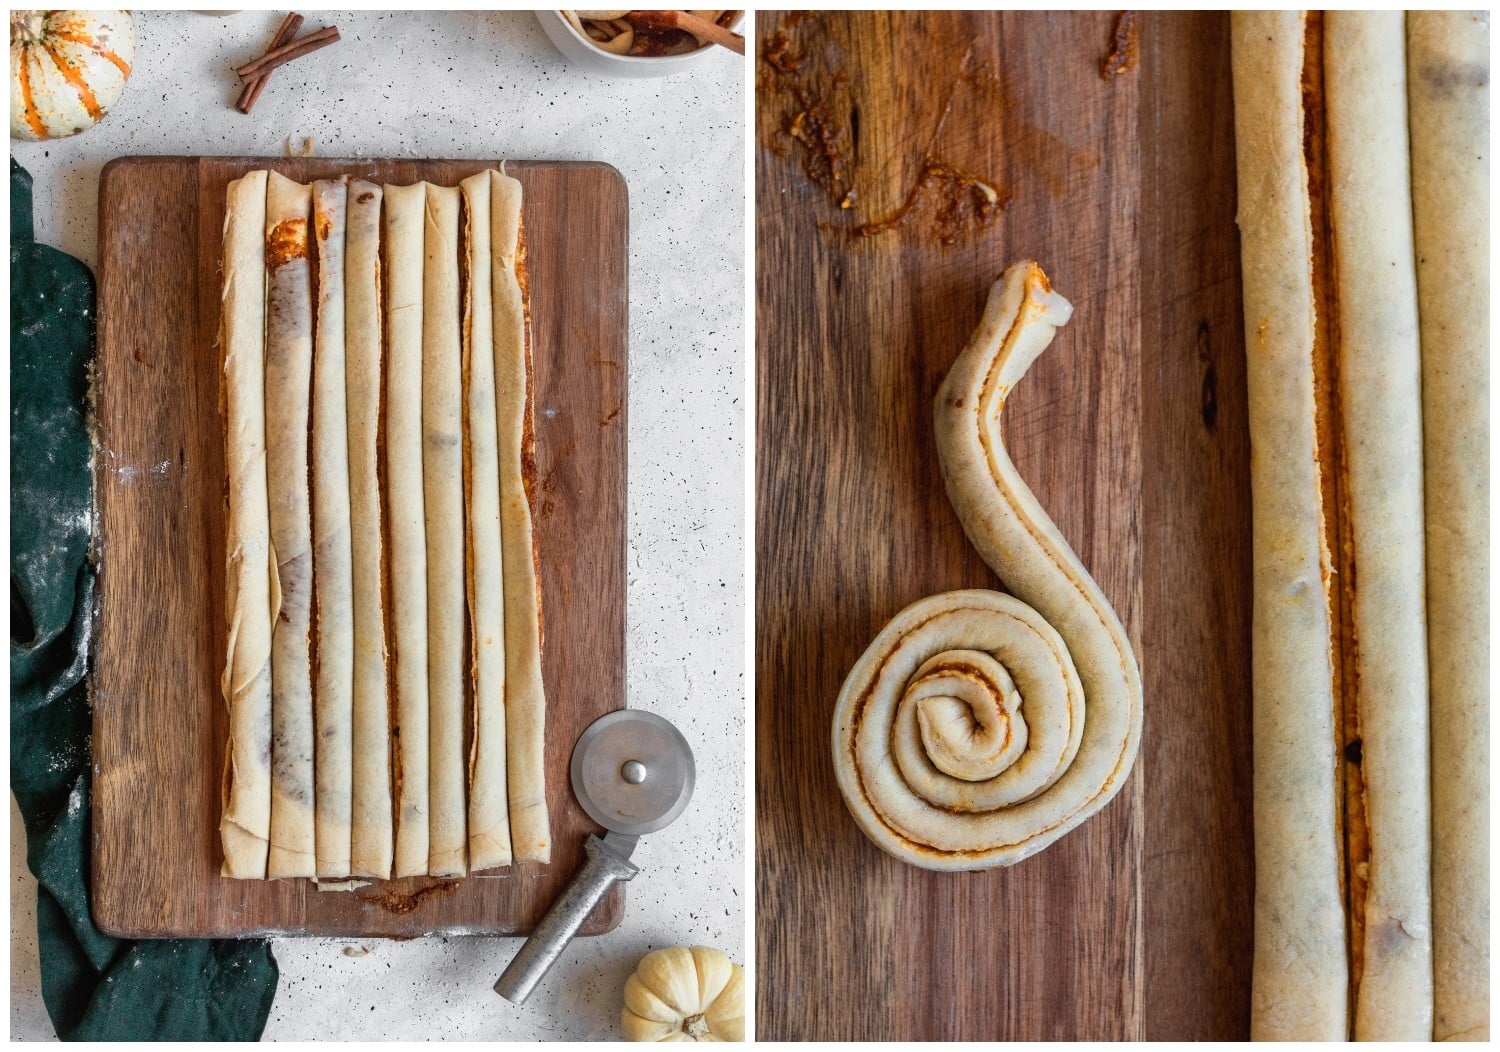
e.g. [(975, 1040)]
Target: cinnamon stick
[(255, 85), (704, 31), (287, 52)]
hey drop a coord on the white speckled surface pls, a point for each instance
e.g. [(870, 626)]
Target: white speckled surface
[(453, 84)]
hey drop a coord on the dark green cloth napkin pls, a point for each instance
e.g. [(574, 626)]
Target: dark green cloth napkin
[(95, 987)]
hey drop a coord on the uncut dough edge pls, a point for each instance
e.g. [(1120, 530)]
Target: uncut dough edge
[(1299, 984), (371, 831), (489, 811), (250, 593), (525, 708), (405, 208), (289, 349), (1380, 402), (1448, 88), (442, 486), (333, 569)]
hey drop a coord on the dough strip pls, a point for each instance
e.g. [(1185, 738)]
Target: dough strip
[(289, 359), (250, 598), (525, 701), (1379, 398), (405, 219), (332, 557), (442, 480), (1300, 975), (1448, 92), (371, 834), (489, 814)]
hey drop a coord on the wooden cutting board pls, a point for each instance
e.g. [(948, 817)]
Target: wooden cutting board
[(160, 723), (1131, 431)]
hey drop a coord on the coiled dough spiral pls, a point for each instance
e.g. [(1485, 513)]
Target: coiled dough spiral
[(980, 727)]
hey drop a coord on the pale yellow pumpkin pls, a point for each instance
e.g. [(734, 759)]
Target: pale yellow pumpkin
[(67, 68), (681, 994)]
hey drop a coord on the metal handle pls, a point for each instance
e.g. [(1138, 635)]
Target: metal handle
[(600, 870)]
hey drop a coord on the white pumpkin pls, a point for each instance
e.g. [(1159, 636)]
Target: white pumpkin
[(681, 994), (67, 68)]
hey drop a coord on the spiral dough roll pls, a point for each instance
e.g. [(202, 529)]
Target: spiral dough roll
[(979, 727)]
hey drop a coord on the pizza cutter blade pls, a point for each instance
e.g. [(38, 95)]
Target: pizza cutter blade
[(633, 773)]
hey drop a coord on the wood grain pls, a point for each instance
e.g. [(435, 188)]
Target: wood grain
[(160, 723), (1198, 882), (1131, 431)]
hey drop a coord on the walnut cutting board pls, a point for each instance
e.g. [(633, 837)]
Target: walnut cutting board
[(1131, 431), (160, 723)]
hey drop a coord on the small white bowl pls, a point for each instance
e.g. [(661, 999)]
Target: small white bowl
[(581, 51)]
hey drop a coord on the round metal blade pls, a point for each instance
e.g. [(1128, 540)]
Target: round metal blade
[(632, 771)]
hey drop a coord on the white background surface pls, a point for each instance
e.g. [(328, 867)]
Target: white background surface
[(454, 84)]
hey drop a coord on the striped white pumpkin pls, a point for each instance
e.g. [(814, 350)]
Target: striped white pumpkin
[(67, 68)]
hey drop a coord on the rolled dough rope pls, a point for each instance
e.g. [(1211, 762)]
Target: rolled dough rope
[(978, 728), (1299, 981), (1448, 90), (289, 360), (249, 580), (489, 816), (442, 484), (332, 558), (525, 702), (371, 828), (405, 219), (1380, 400)]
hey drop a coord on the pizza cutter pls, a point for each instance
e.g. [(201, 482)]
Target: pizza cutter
[(633, 773)]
